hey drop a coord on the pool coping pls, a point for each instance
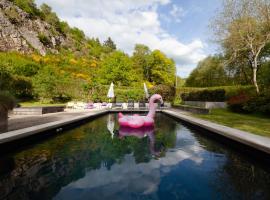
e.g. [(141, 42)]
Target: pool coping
[(254, 141), (258, 142), (15, 135)]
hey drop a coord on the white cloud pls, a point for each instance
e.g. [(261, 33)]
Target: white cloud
[(140, 178), (177, 13), (127, 23)]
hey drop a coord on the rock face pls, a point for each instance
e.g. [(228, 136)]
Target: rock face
[(18, 32)]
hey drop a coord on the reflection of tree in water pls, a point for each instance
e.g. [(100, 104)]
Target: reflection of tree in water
[(239, 176), (39, 172)]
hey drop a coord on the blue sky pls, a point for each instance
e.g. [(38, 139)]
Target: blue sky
[(179, 28)]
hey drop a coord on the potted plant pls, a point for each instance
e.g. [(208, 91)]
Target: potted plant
[(7, 102)]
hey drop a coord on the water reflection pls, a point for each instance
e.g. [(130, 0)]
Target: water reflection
[(87, 163), (111, 124)]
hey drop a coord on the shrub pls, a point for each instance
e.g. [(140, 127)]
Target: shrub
[(260, 104), (13, 15), (44, 39), (167, 92), (230, 91), (205, 95), (236, 103), (7, 101)]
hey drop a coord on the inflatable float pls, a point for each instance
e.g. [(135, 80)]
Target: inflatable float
[(137, 121)]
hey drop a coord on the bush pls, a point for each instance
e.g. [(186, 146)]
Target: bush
[(217, 95), (167, 92), (260, 104), (7, 101), (236, 103), (230, 91), (44, 39)]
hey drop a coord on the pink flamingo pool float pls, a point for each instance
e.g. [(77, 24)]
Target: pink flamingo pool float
[(137, 121)]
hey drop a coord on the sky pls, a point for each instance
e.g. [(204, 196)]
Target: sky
[(179, 28)]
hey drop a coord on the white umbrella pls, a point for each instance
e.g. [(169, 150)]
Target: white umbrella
[(145, 91), (110, 92)]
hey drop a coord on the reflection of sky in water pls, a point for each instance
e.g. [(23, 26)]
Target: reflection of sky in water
[(99, 160), (128, 178)]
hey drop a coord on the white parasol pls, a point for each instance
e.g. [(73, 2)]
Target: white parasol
[(145, 91)]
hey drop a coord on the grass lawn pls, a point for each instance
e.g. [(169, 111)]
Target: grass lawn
[(253, 123), (37, 103)]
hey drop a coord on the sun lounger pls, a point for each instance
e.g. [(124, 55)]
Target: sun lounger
[(118, 105), (130, 104), (142, 105), (136, 106), (124, 106), (70, 104)]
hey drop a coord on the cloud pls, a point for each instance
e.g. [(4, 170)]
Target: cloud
[(177, 13), (139, 178), (127, 23)]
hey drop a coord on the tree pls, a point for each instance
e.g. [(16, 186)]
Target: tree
[(48, 84), (141, 58), (243, 29), (110, 44), (161, 69), (209, 72), (117, 68)]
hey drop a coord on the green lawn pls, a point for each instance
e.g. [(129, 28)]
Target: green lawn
[(37, 103), (247, 122)]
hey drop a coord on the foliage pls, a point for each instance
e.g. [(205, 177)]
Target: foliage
[(141, 60), (109, 45), (243, 30), (28, 6), (217, 95), (7, 101), (161, 69), (13, 15), (167, 92), (49, 84), (77, 34), (229, 90), (236, 103), (117, 68), (259, 104), (44, 39), (83, 68), (209, 72)]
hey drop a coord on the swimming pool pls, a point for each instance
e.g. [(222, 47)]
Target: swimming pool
[(100, 161)]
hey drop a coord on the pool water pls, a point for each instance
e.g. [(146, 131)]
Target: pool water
[(99, 160)]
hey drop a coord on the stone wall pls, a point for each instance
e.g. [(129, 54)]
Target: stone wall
[(206, 104)]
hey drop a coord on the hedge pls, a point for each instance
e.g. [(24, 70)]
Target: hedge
[(230, 91), (217, 95)]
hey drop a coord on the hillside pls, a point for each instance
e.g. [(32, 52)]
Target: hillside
[(43, 58), (21, 32)]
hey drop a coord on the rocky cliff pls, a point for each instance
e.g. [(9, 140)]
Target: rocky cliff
[(21, 32)]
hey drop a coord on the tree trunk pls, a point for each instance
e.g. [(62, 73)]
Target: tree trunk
[(255, 79)]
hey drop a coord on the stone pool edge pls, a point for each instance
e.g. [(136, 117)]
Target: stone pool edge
[(254, 141), (15, 135)]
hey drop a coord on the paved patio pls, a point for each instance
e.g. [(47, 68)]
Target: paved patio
[(16, 122)]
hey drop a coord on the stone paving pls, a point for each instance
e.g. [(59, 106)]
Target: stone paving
[(16, 122)]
